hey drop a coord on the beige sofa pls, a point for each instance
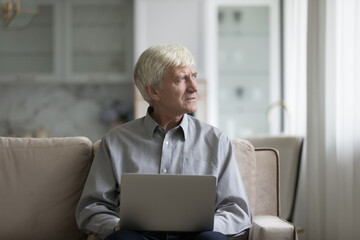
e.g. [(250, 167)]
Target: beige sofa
[(41, 181)]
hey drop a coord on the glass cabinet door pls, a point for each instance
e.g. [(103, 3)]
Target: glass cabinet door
[(99, 39), (71, 41), (29, 51), (248, 74)]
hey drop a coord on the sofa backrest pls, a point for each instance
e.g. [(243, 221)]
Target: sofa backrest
[(41, 181), (259, 169), (290, 153)]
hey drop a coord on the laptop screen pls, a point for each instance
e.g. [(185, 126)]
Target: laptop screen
[(173, 203)]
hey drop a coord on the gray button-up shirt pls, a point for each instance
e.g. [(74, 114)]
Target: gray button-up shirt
[(142, 146)]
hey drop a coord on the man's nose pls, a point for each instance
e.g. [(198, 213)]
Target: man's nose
[(192, 84)]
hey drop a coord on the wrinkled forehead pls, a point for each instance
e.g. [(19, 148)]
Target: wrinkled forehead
[(188, 70)]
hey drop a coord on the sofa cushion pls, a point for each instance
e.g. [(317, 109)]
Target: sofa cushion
[(267, 182), (41, 181)]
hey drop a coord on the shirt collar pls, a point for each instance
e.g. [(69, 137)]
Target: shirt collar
[(184, 125), (151, 125)]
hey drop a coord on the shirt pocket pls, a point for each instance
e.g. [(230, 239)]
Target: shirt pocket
[(193, 166)]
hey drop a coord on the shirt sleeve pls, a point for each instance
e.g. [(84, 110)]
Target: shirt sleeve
[(96, 212), (233, 214)]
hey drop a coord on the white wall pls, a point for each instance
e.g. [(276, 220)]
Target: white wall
[(167, 21)]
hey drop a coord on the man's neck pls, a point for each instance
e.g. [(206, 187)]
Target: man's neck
[(167, 121)]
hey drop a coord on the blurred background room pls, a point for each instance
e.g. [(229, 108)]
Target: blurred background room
[(266, 68)]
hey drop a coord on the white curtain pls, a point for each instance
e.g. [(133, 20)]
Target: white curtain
[(295, 77), (295, 29), (333, 120)]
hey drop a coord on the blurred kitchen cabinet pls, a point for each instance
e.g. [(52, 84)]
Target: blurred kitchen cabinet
[(29, 53), (248, 67), (71, 41)]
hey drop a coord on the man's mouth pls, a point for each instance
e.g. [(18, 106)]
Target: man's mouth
[(191, 98)]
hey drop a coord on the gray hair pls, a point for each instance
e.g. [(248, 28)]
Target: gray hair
[(153, 63)]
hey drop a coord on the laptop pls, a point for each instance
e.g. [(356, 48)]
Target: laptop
[(171, 203)]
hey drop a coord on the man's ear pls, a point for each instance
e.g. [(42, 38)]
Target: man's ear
[(153, 92)]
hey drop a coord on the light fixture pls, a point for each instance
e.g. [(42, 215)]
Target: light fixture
[(17, 14)]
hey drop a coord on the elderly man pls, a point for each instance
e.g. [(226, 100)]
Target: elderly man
[(165, 141)]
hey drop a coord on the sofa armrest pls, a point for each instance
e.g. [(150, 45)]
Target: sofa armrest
[(272, 227)]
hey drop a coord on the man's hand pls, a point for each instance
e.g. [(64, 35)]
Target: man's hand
[(117, 228)]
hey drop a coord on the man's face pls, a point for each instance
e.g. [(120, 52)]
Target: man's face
[(178, 93)]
